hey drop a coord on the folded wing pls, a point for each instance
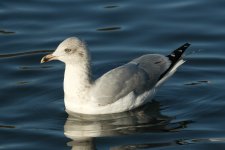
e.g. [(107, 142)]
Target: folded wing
[(137, 76)]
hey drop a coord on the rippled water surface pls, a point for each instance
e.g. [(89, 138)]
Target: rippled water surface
[(186, 113)]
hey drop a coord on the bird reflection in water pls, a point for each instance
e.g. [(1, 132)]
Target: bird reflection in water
[(82, 129)]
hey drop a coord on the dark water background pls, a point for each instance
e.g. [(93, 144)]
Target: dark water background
[(188, 112)]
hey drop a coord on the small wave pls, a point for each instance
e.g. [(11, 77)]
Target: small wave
[(111, 6), (109, 29), (7, 126), (24, 53), (6, 32), (200, 82)]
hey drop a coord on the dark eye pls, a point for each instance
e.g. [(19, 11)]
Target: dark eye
[(67, 50)]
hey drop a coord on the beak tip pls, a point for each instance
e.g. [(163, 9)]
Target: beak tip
[(47, 58), (42, 60)]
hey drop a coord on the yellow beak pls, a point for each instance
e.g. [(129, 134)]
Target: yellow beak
[(47, 58)]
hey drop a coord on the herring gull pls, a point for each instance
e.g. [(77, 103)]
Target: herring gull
[(121, 89)]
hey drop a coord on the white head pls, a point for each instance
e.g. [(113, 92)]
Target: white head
[(71, 50)]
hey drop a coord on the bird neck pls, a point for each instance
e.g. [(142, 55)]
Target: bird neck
[(77, 82)]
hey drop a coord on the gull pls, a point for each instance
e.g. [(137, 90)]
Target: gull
[(120, 89)]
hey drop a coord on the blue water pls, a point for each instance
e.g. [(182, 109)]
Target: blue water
[(186, 113)]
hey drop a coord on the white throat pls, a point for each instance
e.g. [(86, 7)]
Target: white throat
[(77, 83)]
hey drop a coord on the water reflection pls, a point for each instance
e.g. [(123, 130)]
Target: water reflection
[(82, 129)]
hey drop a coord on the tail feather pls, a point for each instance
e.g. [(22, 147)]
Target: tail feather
[(175, 57)]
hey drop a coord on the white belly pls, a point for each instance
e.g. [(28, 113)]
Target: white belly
[(126, 103)]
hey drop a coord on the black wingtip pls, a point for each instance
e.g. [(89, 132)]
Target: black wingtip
[(175, 56), (177, 53)]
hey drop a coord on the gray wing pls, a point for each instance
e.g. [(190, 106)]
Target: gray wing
[(137, 76)]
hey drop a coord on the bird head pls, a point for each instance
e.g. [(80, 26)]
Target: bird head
[(71, 50)]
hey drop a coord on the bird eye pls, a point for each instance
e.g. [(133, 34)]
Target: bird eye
[(67, 50)]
